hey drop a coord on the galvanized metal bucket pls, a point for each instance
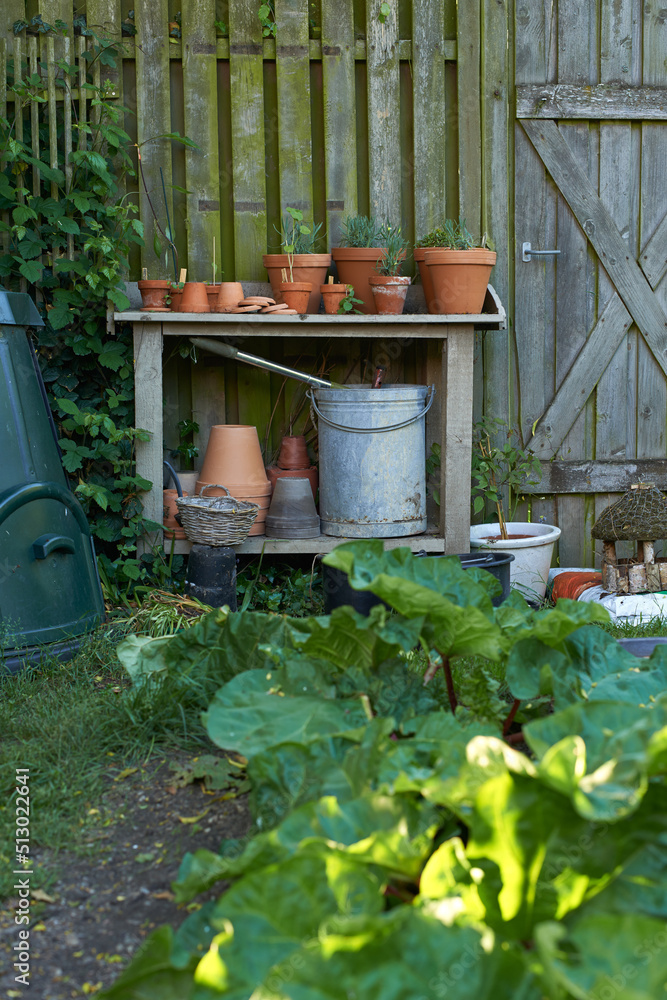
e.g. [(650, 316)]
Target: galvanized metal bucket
[(372, 459)]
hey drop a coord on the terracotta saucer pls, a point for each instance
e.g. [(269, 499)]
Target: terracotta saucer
[(244, 309), (290, 312), (274, 309), (257, 300)]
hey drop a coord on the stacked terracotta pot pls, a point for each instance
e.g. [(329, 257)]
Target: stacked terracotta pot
[(234, 459), (293, 462)]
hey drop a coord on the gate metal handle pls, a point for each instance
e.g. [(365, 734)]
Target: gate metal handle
[(46, 544), (371, 430), (527, 253)]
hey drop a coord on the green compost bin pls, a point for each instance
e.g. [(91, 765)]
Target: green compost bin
[(50, 592)]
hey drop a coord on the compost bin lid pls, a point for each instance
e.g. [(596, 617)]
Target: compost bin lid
[(640, 514), (18, 309)]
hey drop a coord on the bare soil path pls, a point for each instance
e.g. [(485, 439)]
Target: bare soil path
[(107, 901)]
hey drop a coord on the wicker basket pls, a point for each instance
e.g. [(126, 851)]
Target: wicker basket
[(216, 520)]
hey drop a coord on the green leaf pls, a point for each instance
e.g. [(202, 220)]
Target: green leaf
[(31, 271), (246, 717)]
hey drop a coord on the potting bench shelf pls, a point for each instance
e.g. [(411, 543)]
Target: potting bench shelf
[(449, 422)]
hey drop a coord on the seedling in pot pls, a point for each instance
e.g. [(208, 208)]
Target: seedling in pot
[(499, 467), (349, 303), (394, 252), (295, 236)]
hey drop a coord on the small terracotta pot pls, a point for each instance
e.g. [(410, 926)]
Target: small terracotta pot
[(460, 278), (311, 474), (293, 453), (332, 296), (310, 267), (213, 291), (172, 529), (389, 291), (175, 295), (153, 294), (425, 274), (296, 294), (356, 266), (234, 458), (195, 298), (230, 294)]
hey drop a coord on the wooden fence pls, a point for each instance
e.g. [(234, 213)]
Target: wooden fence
[(340, 112)]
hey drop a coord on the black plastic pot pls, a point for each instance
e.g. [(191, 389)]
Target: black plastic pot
[(337, 589)]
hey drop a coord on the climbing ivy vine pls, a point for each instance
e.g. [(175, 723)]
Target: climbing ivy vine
[(66, 230)]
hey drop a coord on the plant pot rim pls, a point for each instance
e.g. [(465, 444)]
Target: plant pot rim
[(475, 256), (153, 283), (390, 279), (341, 287), (298, 259), (357, 253), (296, 286), (540, 534)]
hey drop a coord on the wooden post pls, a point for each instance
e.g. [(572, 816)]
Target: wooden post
[(456, 458), (429, 114), (148, 412)]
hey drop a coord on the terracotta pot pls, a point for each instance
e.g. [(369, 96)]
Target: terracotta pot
[(153, 295), (296, 294), (172, 529), (460, 278), (310, 267), (275, 473), (356, 266), (230, 294), (425, 274), (332, 296), (389, 291), (293, 453), (213, 291), (195, 298), (175, 296), (234, 458)]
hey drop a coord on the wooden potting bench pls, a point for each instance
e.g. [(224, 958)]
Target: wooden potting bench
[(449, 420)]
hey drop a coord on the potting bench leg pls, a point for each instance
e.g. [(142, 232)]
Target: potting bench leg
[(148, 414), (456, 446)]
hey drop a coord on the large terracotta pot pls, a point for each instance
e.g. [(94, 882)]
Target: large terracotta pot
[(153, 293), (460, 278), (425, 274), (296, 294), (310, 267), (356, 266), (389, 293), (234, 458)]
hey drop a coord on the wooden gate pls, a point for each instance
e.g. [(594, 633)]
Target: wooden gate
[(590, 322)]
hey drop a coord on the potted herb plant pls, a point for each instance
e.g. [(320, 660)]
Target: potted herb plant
[(389, 288), (297, 240), (497, 470), (363, 240), (459, 269)]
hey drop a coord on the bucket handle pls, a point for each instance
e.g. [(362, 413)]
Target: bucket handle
[(370, 430)]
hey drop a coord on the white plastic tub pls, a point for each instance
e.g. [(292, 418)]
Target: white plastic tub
[(532, 555)]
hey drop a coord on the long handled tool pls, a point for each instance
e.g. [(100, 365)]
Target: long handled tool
[(227, 351)]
